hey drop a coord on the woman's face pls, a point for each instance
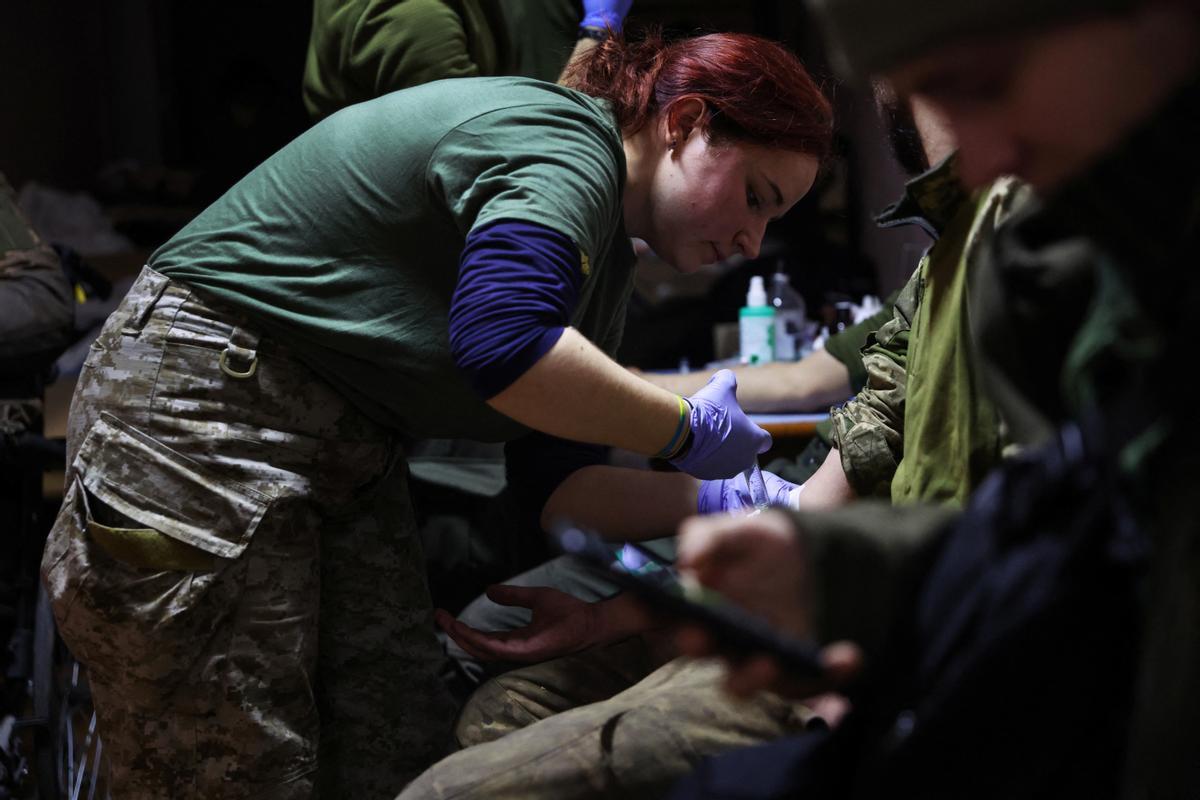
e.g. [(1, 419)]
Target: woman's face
[(707, 201)]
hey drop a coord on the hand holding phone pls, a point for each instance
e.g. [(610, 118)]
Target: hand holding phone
[(662, 588)]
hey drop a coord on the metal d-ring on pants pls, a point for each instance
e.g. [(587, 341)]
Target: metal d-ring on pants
[(235, 563)]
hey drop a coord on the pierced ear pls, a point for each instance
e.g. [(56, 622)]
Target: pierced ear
[(684, 117)]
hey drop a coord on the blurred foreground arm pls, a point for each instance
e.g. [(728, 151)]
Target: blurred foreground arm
[(838, 575)]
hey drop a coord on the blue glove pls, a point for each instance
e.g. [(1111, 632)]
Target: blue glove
[(732, 494), (723, 439), (605, 13)]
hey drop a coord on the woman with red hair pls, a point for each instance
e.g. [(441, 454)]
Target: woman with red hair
[(235, 560)]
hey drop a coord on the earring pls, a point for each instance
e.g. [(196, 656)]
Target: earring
[(671, 146)]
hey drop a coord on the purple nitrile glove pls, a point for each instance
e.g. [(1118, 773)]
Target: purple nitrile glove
[(724, 440), (604, 13), (733, 495)]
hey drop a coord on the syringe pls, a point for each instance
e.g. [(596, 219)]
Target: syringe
[(757, 487)]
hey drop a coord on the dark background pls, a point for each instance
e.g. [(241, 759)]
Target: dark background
[(155, 108)]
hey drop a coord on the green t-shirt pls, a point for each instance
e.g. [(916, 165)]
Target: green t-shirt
[(345, 244)]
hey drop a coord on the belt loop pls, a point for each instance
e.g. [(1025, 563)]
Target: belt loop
[(239, 359), (143, 296)]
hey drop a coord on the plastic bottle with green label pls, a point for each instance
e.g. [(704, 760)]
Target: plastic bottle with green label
[(756, 325)]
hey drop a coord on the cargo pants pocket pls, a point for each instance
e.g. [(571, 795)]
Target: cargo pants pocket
[(142, 564)]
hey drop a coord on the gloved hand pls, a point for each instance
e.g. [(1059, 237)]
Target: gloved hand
[(604, 13), (724, 440), (732, 494)]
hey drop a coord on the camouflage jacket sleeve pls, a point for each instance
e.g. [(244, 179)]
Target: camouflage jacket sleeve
[(866, 560), (36, 306), (869, 430)]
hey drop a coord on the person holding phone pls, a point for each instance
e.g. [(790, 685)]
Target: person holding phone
[(1069, 585)]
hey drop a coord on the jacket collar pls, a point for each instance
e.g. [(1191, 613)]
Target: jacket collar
[(930, 200)]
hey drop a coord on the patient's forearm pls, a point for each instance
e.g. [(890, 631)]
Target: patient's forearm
[(828, 487), (622, 503)]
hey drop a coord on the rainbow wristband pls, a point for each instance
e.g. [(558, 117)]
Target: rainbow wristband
[(681, 430)]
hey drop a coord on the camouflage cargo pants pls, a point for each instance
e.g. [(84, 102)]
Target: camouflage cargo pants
[(235, 563), (633, 745)]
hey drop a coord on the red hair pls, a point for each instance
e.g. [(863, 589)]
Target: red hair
[(757, 92)]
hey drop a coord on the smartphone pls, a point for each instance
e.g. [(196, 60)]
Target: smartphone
[(636, 569)]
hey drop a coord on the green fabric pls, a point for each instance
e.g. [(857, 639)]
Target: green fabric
[(345, 243), (869, 37), (362, 49), (542, 34), (952, 431), (846, 346), (923, 430), (146, 548)]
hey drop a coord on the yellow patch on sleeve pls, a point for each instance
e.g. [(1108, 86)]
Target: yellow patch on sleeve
[(585, 264)]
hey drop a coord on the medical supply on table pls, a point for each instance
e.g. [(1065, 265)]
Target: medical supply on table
[(790, 322), (756, 326)]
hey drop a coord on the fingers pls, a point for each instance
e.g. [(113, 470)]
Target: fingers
[(754, 674), (464, 636), (829, 706), (777, 487), (716, 538), (506, 594), (694, 641), (724, 378), (746, 675), (705, 543), (843, 661), (699, 537)]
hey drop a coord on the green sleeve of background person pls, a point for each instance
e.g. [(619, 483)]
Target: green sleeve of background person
[(363, 49), (542, 34), (846, 346), (345, 244)]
